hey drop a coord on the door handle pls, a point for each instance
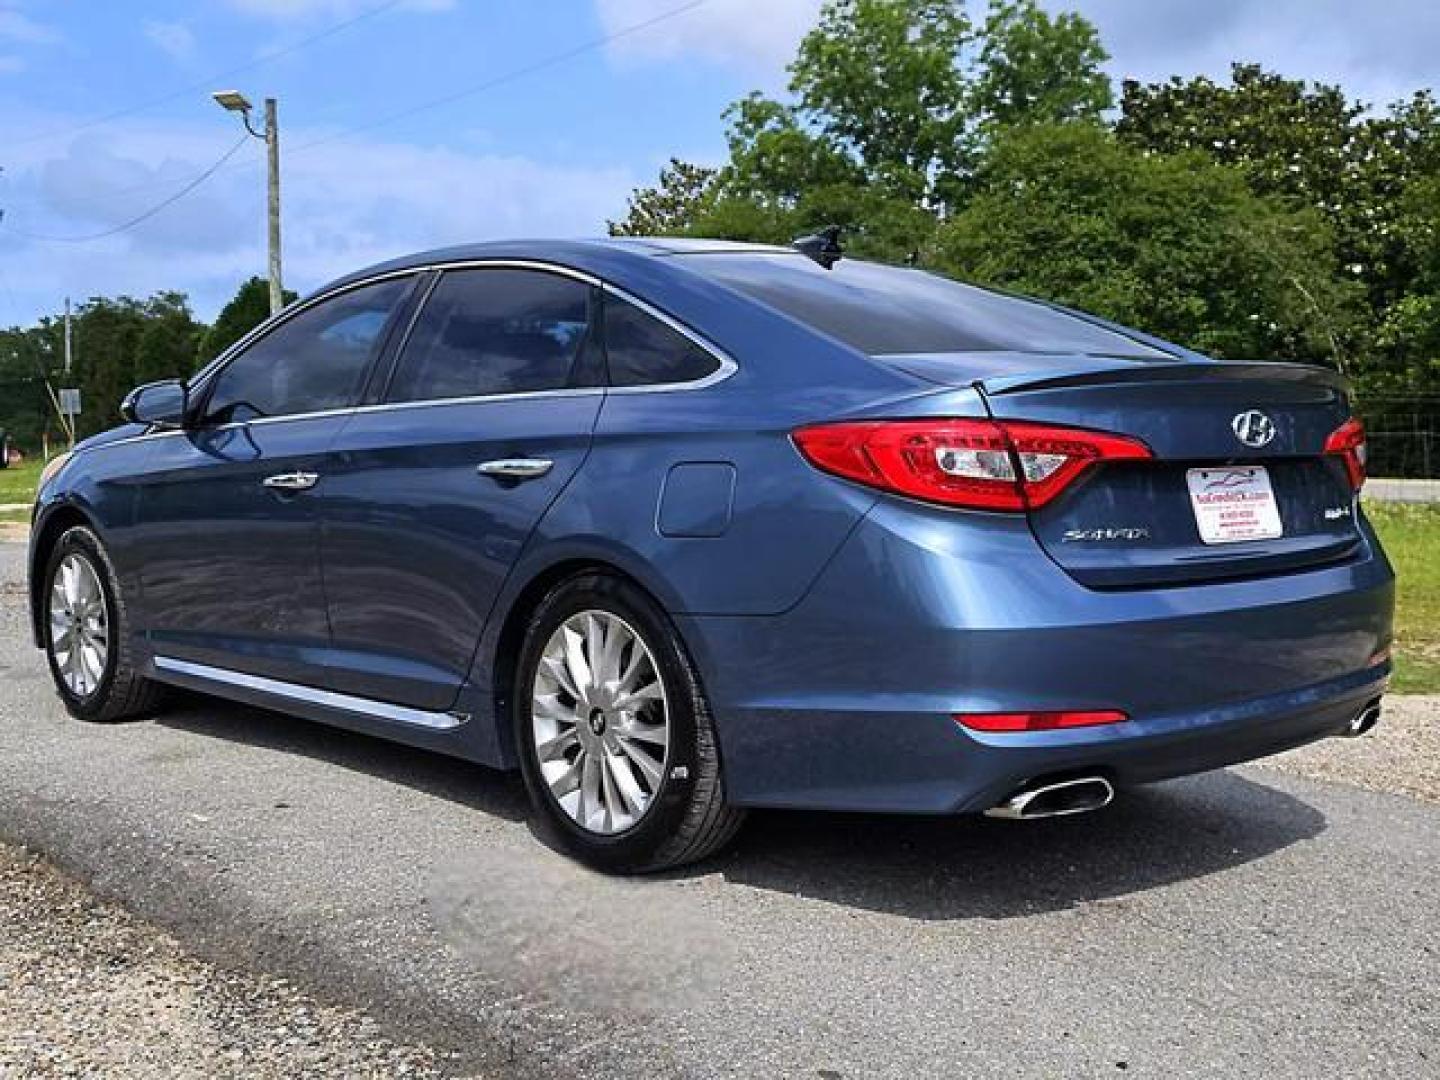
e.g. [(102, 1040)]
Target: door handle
[(516, 468), (291, 481)]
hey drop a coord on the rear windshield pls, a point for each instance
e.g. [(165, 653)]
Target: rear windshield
[(887, 310)]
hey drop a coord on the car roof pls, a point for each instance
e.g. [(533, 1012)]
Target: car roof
[(600, 256)]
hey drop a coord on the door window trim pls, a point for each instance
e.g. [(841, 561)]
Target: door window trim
[(202, 386), (200, 382)]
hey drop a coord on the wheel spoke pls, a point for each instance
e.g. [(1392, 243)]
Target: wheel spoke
[(548, 707), (615, 816), (625, 782), (607, 664), (650, 733), (556, 668), (575, 660), (557, 745), (636, 698), (648, 766), (563, 777), (592, 812)]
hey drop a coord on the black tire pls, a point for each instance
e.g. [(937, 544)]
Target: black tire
[(687, 818), (121, 691)]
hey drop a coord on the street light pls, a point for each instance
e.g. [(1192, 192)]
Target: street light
[(234, 101)]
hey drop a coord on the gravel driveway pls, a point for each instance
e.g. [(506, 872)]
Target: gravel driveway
[(1250, 922)]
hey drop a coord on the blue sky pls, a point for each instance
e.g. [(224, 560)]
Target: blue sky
[(553, 152)]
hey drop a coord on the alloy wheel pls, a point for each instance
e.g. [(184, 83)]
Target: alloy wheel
[(600, 721), (79, 625)]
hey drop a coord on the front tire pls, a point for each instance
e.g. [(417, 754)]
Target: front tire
[(88, 635), (614, 733)]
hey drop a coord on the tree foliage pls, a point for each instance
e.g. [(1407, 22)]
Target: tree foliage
[(247, 309), (119, 343), (1259, 217), (1175, 244), (891, 105)]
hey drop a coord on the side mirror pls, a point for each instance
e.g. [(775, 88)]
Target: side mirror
[(162, 403)]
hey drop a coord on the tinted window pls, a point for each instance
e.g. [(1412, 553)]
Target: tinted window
[(312, 361), (884, 310), (643, 351), (498, 331)]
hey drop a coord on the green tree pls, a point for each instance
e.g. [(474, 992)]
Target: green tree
[(166, 348), (107, 335), (1036, 68), (1368, 174), (891, 104), (247, 309), (671, 205), (1172, 243), (27, 358)]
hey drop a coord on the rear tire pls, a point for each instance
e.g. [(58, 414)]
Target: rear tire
[(614, 732), (88, 638)]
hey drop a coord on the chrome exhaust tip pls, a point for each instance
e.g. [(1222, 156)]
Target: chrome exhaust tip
[(1364, 720), (1056, 800)]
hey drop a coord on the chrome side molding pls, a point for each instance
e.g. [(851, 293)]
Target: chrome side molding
[(310, 695)]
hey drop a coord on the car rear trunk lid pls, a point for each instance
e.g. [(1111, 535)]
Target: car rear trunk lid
[(1236, 446)]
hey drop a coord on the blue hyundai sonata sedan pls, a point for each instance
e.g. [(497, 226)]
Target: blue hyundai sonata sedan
[(682, 528)]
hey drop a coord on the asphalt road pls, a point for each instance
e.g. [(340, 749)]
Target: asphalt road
[(1242, 923)]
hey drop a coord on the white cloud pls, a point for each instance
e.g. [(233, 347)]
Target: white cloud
[(16, 26), (173, 38), (758, 36), (1377, 51), (346, 205)]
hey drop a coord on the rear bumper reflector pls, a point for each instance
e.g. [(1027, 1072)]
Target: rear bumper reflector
[(1039, 721)]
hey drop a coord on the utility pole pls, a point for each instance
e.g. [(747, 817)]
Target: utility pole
[(68, 346), (234, 101), (272, 155)]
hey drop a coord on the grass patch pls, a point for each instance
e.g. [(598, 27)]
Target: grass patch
[(1411, 535), (17, 483)]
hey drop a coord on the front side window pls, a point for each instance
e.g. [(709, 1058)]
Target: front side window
[(313, 361), (500, 330), (643, 351)]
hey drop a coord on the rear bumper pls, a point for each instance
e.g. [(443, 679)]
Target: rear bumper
[(846, 702)]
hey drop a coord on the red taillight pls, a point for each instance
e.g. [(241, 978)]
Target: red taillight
[(1348, 440), (1039, 721), (978, 464)]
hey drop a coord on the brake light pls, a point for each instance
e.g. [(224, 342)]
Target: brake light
[(1348, 440), (1039, 721), (977, 464)]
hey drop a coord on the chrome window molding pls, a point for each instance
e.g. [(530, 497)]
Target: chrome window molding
[(330, 699), (726, 364)]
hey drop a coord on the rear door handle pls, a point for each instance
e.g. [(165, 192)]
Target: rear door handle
[(516, 468), (291, 481)]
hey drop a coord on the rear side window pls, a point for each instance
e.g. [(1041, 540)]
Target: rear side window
[(887, 310), (643, 351), (485, 331), (313, 361)]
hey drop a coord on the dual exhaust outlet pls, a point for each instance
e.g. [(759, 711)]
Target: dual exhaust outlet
[(1087, 793)]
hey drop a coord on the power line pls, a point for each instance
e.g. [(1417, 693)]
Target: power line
[(500, 80), (146, 215), (209, 81), (419, 107)]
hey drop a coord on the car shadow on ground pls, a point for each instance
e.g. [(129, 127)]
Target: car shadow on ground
[(966, 868), (919, 868), (489, 791)]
